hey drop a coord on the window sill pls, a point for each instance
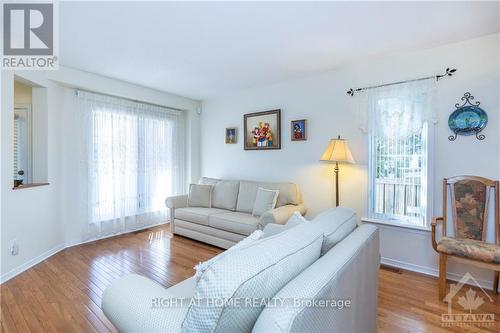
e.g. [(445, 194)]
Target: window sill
[(20, 187), (395, 224)]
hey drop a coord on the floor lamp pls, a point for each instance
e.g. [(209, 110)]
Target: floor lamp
[(337, 151)]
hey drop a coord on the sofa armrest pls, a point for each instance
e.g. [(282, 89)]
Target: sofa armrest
[(134, 303), (178, 201), (280, 215)]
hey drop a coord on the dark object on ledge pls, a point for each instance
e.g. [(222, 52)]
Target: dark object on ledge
[(467, 119)]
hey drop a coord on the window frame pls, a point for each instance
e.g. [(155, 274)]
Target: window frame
[(24, 107), (391, 219)]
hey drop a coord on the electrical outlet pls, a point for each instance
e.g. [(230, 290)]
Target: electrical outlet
[(14, 247)]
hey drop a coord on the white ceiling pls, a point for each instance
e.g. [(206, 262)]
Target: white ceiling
[(201, 50)]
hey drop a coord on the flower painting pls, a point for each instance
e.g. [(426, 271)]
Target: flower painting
[(298, 130), (263, 130)]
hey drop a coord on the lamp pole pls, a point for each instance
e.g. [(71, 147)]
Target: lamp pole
[(336, 171)]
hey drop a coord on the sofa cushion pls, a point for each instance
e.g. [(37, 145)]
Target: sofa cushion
[(257, 271), (225, 194), (200, 195), (289, 194), (264, 201), (201, 267), (208, 181), (336, 224), (240, 223), (196, 214), (185, 227)]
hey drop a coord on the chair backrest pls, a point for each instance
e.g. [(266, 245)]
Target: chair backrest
[(470, 200)]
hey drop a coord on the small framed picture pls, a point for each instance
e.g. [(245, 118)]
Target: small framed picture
[(230, 135), (298, 130)]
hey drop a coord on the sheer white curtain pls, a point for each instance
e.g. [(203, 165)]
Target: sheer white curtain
[(398, 120), (397, 111), (132, 156)]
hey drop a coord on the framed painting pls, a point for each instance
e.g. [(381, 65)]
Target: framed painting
[(262, 130), (298, 130), (231, 135)]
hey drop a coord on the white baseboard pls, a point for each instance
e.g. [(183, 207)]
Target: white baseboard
[(30, 263), (485, 284)]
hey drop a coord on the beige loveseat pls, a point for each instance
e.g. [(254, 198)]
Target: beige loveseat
[(230, 218)]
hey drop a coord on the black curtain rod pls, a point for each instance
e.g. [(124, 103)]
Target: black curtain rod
[(449, 72)]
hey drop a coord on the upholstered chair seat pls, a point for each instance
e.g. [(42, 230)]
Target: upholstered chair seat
[(470, 248)]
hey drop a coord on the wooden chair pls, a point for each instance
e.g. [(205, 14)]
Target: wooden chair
[(470, 200)]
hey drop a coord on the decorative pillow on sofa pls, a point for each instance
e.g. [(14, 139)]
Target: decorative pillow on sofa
[(200, 195), (265, 200), (296, 219), (274, 228), (203, 266), (336, 224), (257, 271)]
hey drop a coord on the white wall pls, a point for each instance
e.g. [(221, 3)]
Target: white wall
[(322, 99), (40, 218)]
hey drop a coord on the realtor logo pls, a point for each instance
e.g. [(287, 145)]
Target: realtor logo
[(470, 304), (29, 36)]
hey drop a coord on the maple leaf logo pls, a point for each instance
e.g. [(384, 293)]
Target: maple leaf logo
[(470, 301)]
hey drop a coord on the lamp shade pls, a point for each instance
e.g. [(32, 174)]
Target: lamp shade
[(337, 151)]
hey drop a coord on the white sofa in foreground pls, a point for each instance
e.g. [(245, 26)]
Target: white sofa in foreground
[(315, 277), (230, 218)]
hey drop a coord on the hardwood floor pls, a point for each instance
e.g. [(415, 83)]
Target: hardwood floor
[(63, 293)]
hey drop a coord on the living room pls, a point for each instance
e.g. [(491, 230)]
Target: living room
[(135, 155)]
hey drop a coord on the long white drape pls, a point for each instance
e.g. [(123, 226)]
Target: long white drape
[(132, 156), (397, 111)]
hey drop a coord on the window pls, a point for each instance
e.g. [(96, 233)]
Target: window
[(399, 123), (22, 145), (136, 158), (398, 177)]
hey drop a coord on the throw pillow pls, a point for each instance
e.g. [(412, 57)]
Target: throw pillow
[(265, 200), (203, 266), (296, 219), (337, 224), (200, 196), (274, 228)]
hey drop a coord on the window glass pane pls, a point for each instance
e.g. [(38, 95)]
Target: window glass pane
[(399, 177)]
